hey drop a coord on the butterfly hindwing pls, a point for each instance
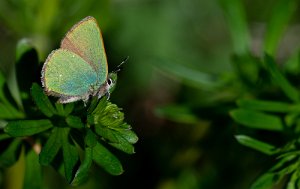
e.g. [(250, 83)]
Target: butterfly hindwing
[(67, 75), (85, 40)]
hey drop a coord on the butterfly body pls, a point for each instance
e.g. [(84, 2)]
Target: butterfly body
[(78, 69)]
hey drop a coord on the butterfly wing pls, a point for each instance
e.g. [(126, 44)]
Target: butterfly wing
[(66, 75), (85, 40)]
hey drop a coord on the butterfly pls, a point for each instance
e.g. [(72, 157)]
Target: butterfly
[(78, 69)]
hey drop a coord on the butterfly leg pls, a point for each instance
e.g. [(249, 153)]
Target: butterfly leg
[(107, 95)]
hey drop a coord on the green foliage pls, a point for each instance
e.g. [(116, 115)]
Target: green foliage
[(264, 90), (227, 112), (69, 136)]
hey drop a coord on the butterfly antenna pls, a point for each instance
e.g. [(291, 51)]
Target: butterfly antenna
[(119, 67)]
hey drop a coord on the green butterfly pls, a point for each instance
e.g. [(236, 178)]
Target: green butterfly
[(78, 69)]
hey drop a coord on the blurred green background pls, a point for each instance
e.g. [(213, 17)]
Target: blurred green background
[(180, 54)]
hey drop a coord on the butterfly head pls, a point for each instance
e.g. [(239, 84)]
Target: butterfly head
[(111, 81)]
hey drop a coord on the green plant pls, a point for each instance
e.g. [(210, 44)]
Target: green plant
[(265, 91), (68, 137)]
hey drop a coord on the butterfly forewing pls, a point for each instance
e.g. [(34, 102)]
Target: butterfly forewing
[(85, 40)]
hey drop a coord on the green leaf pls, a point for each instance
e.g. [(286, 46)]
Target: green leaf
[(94, 102), (189, 75), (82, 174), (2, 83), (70, 154), (237, 24), (27, 127), (23, 46), (68, 108), (90, 138), (7, 111), (281, 14), (11, 153), (107, 114), (42, 101), (265, 181), (276, 173), (247, 69), (292, 184), (109, 123), (3, 124), (279, 79), (74, 121), (33, 171), (270, 106), (51, 147), (129, 135), (257, 120), (291, 119), (285, 160), (118, 139), (292, 64), (256, 144), (60, 109), (27, 68), (106, 133), (12, 85), (4, 136), (107, 160), (123, 145), (181, 114)]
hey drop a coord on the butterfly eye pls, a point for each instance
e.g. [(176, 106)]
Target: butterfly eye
[(109, 81)]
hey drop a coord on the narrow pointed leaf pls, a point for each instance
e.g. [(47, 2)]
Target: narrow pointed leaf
[(270, 106), (282, 13), (68, 108), (33, 171), (278, 78), (2, 83), (116, 139), (27, 127), (60, 109), (107, 160), (256, 144), (11, 154), (42, 101), (257, 120), (129, 135), (13, 87), (74, 121), (292, 184), (267, 180), (51, 147), (124, 146), (7, 111), (90, 138), (70, 155), (82, 174), (106, 133), (4, 136), (177, 113), (23, 46), (236, 18)]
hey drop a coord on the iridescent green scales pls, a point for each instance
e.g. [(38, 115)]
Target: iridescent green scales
[(78, 69)]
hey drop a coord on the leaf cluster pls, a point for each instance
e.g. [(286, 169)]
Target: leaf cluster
[(260, 94), (69, 137)]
